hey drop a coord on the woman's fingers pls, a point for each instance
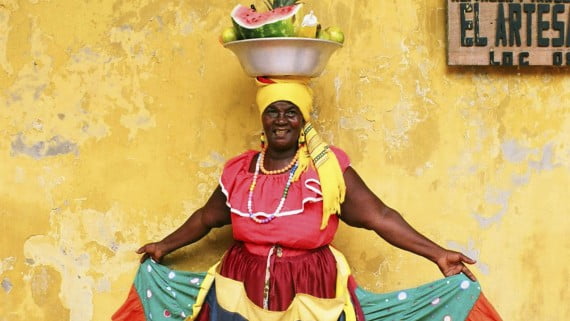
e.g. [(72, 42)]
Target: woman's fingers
[(469, 274), (467, 259), (461, 269), (141, 251), (147, 251), (144, 257), (465, 269)]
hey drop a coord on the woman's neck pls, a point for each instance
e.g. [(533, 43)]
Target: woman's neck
[(277, 159), (280, 155)]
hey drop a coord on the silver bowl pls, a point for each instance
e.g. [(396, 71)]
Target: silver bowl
[(289, 56)]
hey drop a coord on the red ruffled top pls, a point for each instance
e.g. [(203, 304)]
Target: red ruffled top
[(297, 226)]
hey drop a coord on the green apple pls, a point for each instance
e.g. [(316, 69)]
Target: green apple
[(323, 34), (335, 34), (229, 34)]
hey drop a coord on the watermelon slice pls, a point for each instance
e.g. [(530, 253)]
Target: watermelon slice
[(274, 23)]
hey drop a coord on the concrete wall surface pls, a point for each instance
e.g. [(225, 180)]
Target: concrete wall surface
[(116, 118)]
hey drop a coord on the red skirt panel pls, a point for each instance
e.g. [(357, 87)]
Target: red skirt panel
[(312, 273), (483, 311)]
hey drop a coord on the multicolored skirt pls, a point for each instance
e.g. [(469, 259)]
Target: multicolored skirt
[(313, 286)]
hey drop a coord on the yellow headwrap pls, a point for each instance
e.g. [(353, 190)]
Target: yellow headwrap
[(315, 151)]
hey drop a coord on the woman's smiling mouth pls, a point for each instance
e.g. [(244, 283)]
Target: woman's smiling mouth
[(279, 133)]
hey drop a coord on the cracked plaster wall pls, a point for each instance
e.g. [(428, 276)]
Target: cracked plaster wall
[(116, 117)]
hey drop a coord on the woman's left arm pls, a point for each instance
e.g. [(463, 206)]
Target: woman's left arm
[(363, 209)]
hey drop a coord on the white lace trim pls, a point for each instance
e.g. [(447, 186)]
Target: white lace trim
[(307, 184)]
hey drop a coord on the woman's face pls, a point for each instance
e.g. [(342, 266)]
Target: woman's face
[(282, 123)]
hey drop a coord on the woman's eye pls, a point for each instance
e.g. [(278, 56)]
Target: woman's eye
[(271, 113), (291, 113)]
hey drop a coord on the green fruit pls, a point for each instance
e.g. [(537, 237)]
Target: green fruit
[(323, 34), (335, 34), (229, 34)]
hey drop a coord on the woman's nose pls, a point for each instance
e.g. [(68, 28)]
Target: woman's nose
[(281, 118)]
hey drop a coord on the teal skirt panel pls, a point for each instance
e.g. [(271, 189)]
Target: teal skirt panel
[(448, 299), (167, 294)]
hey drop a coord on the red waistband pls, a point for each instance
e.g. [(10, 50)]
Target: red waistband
[(263, 250)]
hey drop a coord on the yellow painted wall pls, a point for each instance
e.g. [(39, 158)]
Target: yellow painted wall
[(117, 116)]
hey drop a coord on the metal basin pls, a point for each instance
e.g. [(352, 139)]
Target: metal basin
[(283, 56)]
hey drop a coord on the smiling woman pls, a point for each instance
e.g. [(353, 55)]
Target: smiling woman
[(283, 203)]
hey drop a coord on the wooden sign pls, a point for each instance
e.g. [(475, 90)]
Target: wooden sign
[(508, 32)]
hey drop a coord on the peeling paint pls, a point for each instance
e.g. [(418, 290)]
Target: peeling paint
[(84, 92), (494, 197), (136, 122), (404, 118), (65, 251), (7, 285), (38, 150), (546, 162), (405, 51), (337, 87), (514, 152), (104, 285), (423, 92), (519, 180), (185, 25), (216, 160), (7, 264), (4, 31), (356, 122)]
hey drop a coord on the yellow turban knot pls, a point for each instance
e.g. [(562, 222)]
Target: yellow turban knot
[(315, 152)]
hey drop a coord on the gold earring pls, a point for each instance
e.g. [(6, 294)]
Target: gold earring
[(262, 139), (302, 138)]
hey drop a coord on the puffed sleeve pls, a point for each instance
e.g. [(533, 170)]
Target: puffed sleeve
[(343, 159), (234, 170)]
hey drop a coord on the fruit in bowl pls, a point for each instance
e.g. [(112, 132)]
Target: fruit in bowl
[(323, 34), (278, 21), (335, 34), (308, 27), (228, 34)]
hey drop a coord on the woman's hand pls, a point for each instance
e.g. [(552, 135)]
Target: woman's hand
[(214, 214), (451, 263), (154, 250)]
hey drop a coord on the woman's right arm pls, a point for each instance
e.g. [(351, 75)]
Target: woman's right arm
[(213, 214)]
